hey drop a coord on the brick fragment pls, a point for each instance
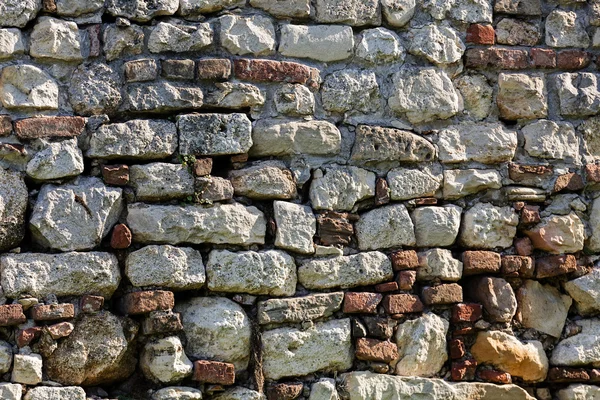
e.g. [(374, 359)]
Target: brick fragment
[(144, 302), (457, 348), (52, 312), (214, 372), (466, 312), (25, 337), (361, 302), (522, 266), (425, 201), (178, 69), (495, 57), (140, 70), (405, 259), (520, 173), (494, 376), (49, 6), (530, 215), (464, 370), (572, 59), (481, 34), (543, 58), (284, 391), (121, 237), (594, 375), (448, 293), (214, 68), (406, 279), (335, 228), (275, 71), (239, 158), (480, 262), (571, 182), (203, 166), (117, 174), (158, 322), (467, 330), (94, 32), (402, 304), (570, 375), (49, 127), (592, 173), (386, 287), (376, 350), (523, 246), (60, 330), (382, 192), (11, 314), (5, 125), (549, 266), (91, 304)]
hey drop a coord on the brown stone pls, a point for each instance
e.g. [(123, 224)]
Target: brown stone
[(572, 59), (52, 312), (466, 312), (402, 303), (94, 32), (284, 391), (594, 375), (386, 287), (11, 314), (523, 173), (425, 201), (457, 348), (361, 302), (140, 70), (543, 58), (480, 262), (572, 182), (178, 69), (464, 370), (496, 295), (335, 228), (376, 350), (481, 34), (592, 173), (464, 331), (158, 322), (25, 337), (117, 174), (91, 304), (214, 372), (49, 6), (530, 215), (522, 266), (121, 237), (60, 330), (203, 166), (239, 158), (495, 57), (406, 279), (275, 71), (49, 127), (214, 68), (406, 259), (568, 375), (549, 266), (382, 192), (447, 293), (523, 246), (147, 301), (494, 376), (5, 125)]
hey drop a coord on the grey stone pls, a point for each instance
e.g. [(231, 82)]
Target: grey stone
[(18, 12), (519, 7), (247, 35), (214, 134), (265, 180), (283, 9), (239, 393), (27, 369), (162, 96), (161, 181), (296, 227), (14, 198), (235, 95), (566, 29), (472, 11), (179, 38), (55, 39), (590, 129), (213, 188), (6, 356), (324, 389), (436, 226), (534, 300), (579, 391), (385, 227), (439, 264), (11, 43), (464, 182), (11, 391), (141, 10), (585, 292), (411, 183), (379, 46), (339, 188), (192, 8), (361, 269), (578, 93), (487, 226), (63, 274), (350, 12), (75, 216), (121, 41), (95, 89), (63, 393), (142, 70), (299, 309), (515, 32), (438, 9), (320, 42), (398, 12), (175, 268), (25, 87), (351, 90), (56, 160), (552, 140), (177, 393), (522, 96), (293, 352), (581, 349), (163, 361), (77, 8), (497, 297), (438, 44), (196, 224), (295, 100), (476, 93)]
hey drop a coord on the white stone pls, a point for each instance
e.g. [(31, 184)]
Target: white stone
[(270, 272), (196, 224), (522, 96), (534, 300), (161, 181), (235, 95), (320, 42), (164, 361), (177, 393), (191, 8), (49, 393), (163, 96), (14, 199), (439, 264), (590, 129), (56, 160), (63, 274), (424, 94), (175, 268), (487, 143), (295, 100), (349, 12), (398, 12), (421, 346), (436, 226), (11, 43), (339, 188), (351, 90), (27, 369), (552, 140), (439, 44), (323, 389), (487, 226), (289, 9), (6, 356), (379, 46), (247, 35), (299, 309), (18, 12), (214, 134), (213, 188), (579, 391), (463, 182), (27, 87), (582, 349), (11, 391), (515, 32), (409, 183), (294, 352), (477, 94), (75, 216), (136, 139), (141, 10), (266, 180), (585, 291), (179, 38), (239, 393), (385, 227), (296, 227), (122, 41), (472, 11), (578, 93), (55, 39), (361, 269), (76, 8), (216, 329), (558, 234), (566, 29)]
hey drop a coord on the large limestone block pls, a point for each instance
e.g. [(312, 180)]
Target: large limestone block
[(566, 29), (487, 226), (579, 391), (379, 46), (161, 181), (296, 227), (361, 269), (385, 227), (284, 9), (350, 12), (48, 393), (75, 216), (436, 226), (293, 352), (320, 42), (11, 43), (534, 300), (552, 140), (267, 180), (55, 39), (95, 89), (522, 96), (270, 272), (439, 264), (421, 346), (27, 369), (216, 329), (63, 274), (438, 44), (497, 297), (141, 10), (163, 97), (585, 291), (25, 87), (179, 38), (352, 91), (56, 160), (164, 361), (253, 35), (339, 188), (13, 204), (175, 268), (410, 183), (578, 93), (196, 224), (558, 234), (214, 134), (18, 12), (299, 309), (463, 182)]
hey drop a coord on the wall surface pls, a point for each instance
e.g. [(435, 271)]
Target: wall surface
[(314, 199)]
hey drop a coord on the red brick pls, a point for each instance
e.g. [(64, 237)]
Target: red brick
[(522, 266), (493, 376), (382, 192), (203, 166), (402, 304), (48, 127), (60, 330), (11, 314), (214, 372), (121, 237), (495, 57), (549, 266), (405, 259), (523, 246), (530, 215), (520, 173), (94, 32), (563, 374), (480, 262), (481, 34), (447, 293), (361, 302), (464, 370), (275, 71), (406, 279), (376, 350), (466, 312), (117, 174), (543, 58), (457, 348), (145, 302), (52, 312), (5, 125), (386, 287), (572, 59), (284, 391), (161, 322), (592, 173), (25, 337), (594, 375), (91, 304), (214, 68), (335, 228), (572, 182)]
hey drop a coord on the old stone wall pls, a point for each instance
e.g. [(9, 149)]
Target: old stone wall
[(312, 199)]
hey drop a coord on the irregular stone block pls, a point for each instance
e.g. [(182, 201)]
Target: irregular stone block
[(164, 361), (233, 95), (55, 39), (408, 183), (18, 12), (522, 96), (352, 12), (179, 38), (122, 41), (585, 292), (14, 198), (299, 309), (558, 234), (95, 89), (487, 226), (534, 300), (287, 9), (178, 393), (379, 46), (578, 391), (339, 188), (578, 93), (240, 393), (141, 10), (397, 13), (56, 160), (352, 91), (472, 11), (266, 180), (27, 369), (361, 302), (438, 264), (161, 181), (447, 293), (140, 70), (296, 227), (192, 8), (26, 87), (78, 8), (515, 32), (497, 297), (213, 188), (11, 43), (481, 262), (401, 304), (460, 183), (65, 393), (566, 29), (436, 226), (11, 315), (162, 97), (438, 44), (12, 391), (385, 227), (295, 100), (276, 71), (214, 134), (476, 93), (247, 35), (551, 140), (320, 42), (519, 7)]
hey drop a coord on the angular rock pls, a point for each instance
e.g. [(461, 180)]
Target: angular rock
[(350, 12), (240, 393), (64, 393), (179, 38), (213, 188), (216, 329), (56, 160), (566, 29), (578, 93), (436, 226), (516, 32), (27, 369), (162, 97), (122, 41), (296, 227), (214, 134), (11, 43), (464, 182), (534, 300), (192, 8), (95, 89), (75, 216), (196, 224), (438, 44), (176, 268), (580, 349), (324, 389), (351, 90), (421, 346), (177, 393), (77, 8), (519, 7), (409, 183), (289, 9), (585, 292), (247, 35), (397, 13), (339, 188), (476, 93), (55, 39), (472, 11), (14, 199), (361, 269), (385, 227), (164, 361), (18, 12), (296, 100), (497, 297), (161, 181), (439, 264), (11, 391), (266, 180), (271, 272), (558, 234), (299, 309), (487, 226), (141, 10), (579, 391), (379, 46), (293, 352), (234, 95), (522, 96), (135, 139), (25, 87), (320, 42), (551, 140)]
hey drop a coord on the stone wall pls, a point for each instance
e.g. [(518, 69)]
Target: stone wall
[(281, 199)]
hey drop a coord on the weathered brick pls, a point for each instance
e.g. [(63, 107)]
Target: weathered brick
[(203, 166), (158, 322), (382, 192), (402, 304), (376, 350), (457, 348), (276, 71), (11, 314), (543, 58), (94, 32), (495, 57), (335, 228), (520, 173), (178, 69), (214, 372), (568, 375), (214, 68), (25, 337), (121, 237), (284, 391), (549, 266), (572, 59), (480, 262), (530, 215), (466, 312), (48, 127), (571, 182), (481, 34), (5, 125), (386, 287), (406, 279), (90, 303), (464, 370), (117, 174), (522, 266), (361, 302), (592, 173), (140, 70), (60, 330), (523, 246), (49, 6), (405, 259), (448, 293), (52, 312), (493, 376), (147, 301)]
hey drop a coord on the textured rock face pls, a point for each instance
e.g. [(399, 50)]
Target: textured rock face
[(487, 226), (179, 38), (379, 46), (44, 392), (439, 264), (162, 97), (461, 183), (28, 88), (440, 45), (385, 227), (585, 292), (566, 29), (578, 93), (547, 139), (535, 299), (264, 181), (164, 360), (296, 226), (522, 96), (341, 187), (497, 297), (476, 93), (122, 41), (579, 391), (56, 40), (252, 35), (11, 43), (177, 393), (18, 13), (484, 143), (580, 349), (57, 160), (558, 234), (353, 12), (408, 183), (161, 181), (95, 89), (349, 90), (13, 201), (214, 134), (321, 42), (281, 138), (299, 309), (436, 226), (141, 10)]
